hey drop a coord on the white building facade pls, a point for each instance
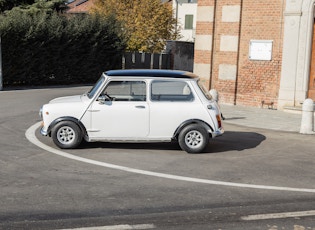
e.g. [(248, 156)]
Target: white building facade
[(186, 15)]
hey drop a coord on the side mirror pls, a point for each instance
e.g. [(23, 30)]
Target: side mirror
[(103, 98)]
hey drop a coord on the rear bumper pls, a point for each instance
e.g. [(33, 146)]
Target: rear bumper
[(217, 133)]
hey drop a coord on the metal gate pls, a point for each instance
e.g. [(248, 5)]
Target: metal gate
[(141, 60)]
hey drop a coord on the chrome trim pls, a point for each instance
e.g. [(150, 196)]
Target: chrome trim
[(217, 132), (209, 106), (93, 110), (43, 132), (40, 113)]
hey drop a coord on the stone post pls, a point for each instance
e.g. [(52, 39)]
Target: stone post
[(307, 123)]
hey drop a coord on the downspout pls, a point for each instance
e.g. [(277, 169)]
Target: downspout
[(238, 53), (213, 43)]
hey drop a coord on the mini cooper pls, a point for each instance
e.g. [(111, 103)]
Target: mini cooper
[(136, 106)]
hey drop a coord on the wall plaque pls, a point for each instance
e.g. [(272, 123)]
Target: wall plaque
[(260, 50)]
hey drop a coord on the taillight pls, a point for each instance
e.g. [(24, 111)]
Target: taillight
[(219, 121)]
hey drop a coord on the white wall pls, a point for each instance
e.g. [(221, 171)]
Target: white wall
[(184, 9)]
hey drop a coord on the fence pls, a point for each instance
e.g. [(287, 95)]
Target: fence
[(178, 55), (137, 60)]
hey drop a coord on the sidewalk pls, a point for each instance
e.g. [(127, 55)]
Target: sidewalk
[(261, 118)]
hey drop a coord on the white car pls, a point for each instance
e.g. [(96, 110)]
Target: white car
[(136, 106)]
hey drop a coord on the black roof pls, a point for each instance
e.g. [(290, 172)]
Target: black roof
[(151, 73)]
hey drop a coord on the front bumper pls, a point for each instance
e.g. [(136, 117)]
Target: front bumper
[(43, 131)]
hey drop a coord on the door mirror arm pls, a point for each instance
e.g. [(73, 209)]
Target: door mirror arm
[(103, 98)]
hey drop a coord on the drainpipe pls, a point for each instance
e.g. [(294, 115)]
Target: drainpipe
[(238, 52), (213, 43)]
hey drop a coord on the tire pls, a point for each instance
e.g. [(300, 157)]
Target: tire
[(193, 138), (67, 135)]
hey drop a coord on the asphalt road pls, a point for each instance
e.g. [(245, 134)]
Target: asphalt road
[(247, 179)]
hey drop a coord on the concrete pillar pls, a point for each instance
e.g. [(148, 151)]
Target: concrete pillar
[(307, 123)]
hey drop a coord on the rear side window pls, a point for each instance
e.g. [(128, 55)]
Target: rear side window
[(204, 90), (171, 91)]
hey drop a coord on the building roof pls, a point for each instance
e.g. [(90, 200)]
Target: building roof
[(79, 6), (83, 6)]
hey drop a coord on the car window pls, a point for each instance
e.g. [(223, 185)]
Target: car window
[(170, 91), (126, 90), (204, 90), (95, 88)]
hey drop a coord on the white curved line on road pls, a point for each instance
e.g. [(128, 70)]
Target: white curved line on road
[(117, 227), (30, 135), (281, 215)]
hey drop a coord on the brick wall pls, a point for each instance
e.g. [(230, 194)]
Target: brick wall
[(235, 23)]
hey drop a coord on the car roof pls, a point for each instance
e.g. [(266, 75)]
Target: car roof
[(151, 73)]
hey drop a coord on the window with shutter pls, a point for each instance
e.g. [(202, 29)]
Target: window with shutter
[(189, 21)]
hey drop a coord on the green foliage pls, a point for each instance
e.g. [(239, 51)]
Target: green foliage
[(32, 6), (148, 24), (9, 4), (52, 49)]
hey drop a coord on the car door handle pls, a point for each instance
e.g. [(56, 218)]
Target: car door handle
[(140, 106)]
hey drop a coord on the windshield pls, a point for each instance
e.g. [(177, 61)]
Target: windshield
[(95, 88), (204, 90)]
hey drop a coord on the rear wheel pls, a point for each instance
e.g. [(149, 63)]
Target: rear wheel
[(67, 135), (193, 138)]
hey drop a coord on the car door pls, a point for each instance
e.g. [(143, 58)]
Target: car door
[(124, 115), (172, 103)]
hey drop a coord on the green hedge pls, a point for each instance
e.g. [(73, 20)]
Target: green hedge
[(45, 49)]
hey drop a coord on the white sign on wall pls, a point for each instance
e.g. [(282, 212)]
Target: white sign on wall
[(260, 50)]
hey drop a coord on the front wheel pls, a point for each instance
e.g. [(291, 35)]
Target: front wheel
[(67, 135), (193, 139)]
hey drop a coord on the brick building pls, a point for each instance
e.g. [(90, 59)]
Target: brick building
[(254, 50)]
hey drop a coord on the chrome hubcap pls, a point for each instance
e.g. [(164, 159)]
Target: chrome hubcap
[(193, 139), (65, 135)]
